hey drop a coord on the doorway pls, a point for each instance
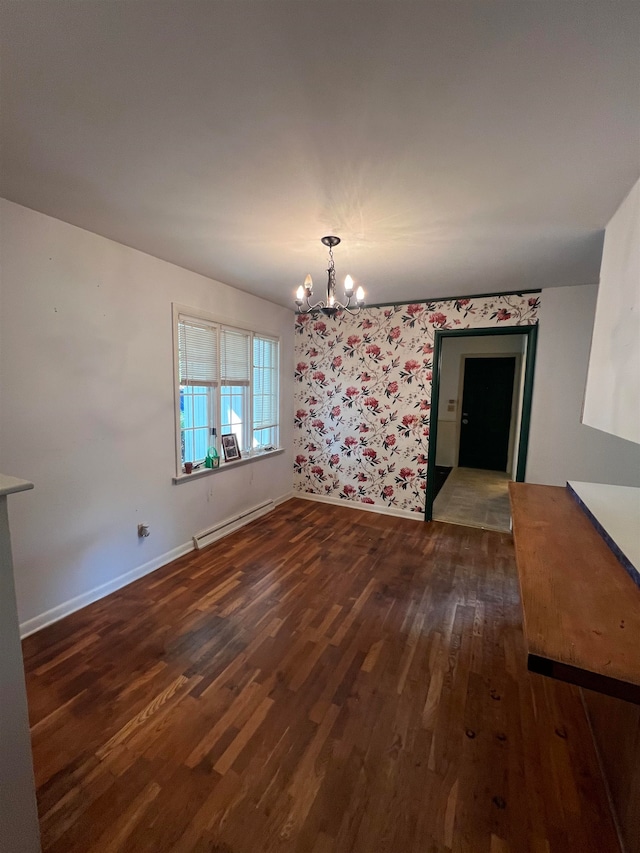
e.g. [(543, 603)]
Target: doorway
[(493, 398)]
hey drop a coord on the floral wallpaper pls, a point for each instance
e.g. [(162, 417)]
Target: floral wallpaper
[(363, 395)]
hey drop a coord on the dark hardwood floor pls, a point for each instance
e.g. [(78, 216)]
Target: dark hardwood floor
[(322, 680)]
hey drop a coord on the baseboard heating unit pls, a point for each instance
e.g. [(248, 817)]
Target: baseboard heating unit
[(206, 537)]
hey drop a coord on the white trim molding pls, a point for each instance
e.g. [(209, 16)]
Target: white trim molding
[(380, 510)]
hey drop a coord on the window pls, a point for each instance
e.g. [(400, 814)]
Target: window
[(265, 392), (227, 382)]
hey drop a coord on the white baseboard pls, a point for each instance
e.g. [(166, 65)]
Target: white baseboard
[(98, 592), (380, 510), (80, 601)]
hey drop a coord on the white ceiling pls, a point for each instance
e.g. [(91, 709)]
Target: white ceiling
[(455, 147)]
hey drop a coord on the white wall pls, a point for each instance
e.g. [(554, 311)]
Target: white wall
[(86, 386), (612, 399), (561, 448)]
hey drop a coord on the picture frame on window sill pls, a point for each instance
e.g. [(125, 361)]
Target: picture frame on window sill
[(230, 447)]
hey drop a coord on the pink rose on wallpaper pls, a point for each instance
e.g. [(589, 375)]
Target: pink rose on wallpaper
[(312, 401), (408, 425), (388, 313), (320, 327), (318, 424), (366, 500), (301, 369), (438, 318), (421, 459), (363, 428), (353, 341), (312, 352), (337, 362), (311, 447), (389, 441), (502, 314), (335, 412), (394, 336), (405, 477), (373, 351), (464, 307), (425, 405), (429, 376), (392, 388), (533, 302), (427, 349), (370, 454), (411, 367), (412, 310), (352, 392), (372, 403), (387, 492), (362, 478), (334, 459), (348, 491), (317, 470), (365, 377), (366, 324), (318, 376)]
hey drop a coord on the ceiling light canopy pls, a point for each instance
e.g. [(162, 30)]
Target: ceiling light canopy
[(331, 305)]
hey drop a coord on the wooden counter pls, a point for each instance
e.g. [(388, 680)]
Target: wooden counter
[(581, 609)]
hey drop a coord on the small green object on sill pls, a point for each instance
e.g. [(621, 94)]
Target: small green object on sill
[(212, 460)]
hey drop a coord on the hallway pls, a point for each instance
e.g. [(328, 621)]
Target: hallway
[(476, 498)]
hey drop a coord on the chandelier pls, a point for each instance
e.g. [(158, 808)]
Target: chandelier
[(330, 306)]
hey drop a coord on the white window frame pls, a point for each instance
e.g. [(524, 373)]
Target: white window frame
[(183, 312)]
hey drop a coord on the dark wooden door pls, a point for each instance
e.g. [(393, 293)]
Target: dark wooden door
[(486, 413)]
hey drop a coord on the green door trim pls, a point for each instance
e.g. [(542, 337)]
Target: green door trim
[(527, 396)]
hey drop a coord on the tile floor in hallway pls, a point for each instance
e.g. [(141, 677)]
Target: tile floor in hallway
[(476, 498)]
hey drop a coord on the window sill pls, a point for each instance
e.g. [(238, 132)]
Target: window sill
[(224, 466)]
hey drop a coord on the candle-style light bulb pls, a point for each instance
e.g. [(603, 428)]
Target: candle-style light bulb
[(308, 284), (348, 285), (299, 295), (359, 295)]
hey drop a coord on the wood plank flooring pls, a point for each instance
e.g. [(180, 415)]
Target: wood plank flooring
[(322, 680)]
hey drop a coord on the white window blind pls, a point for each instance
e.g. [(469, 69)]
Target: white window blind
[(234, 356), (265, 382), (197, 353)]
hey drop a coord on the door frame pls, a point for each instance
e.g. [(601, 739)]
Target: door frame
[(531, 332)]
